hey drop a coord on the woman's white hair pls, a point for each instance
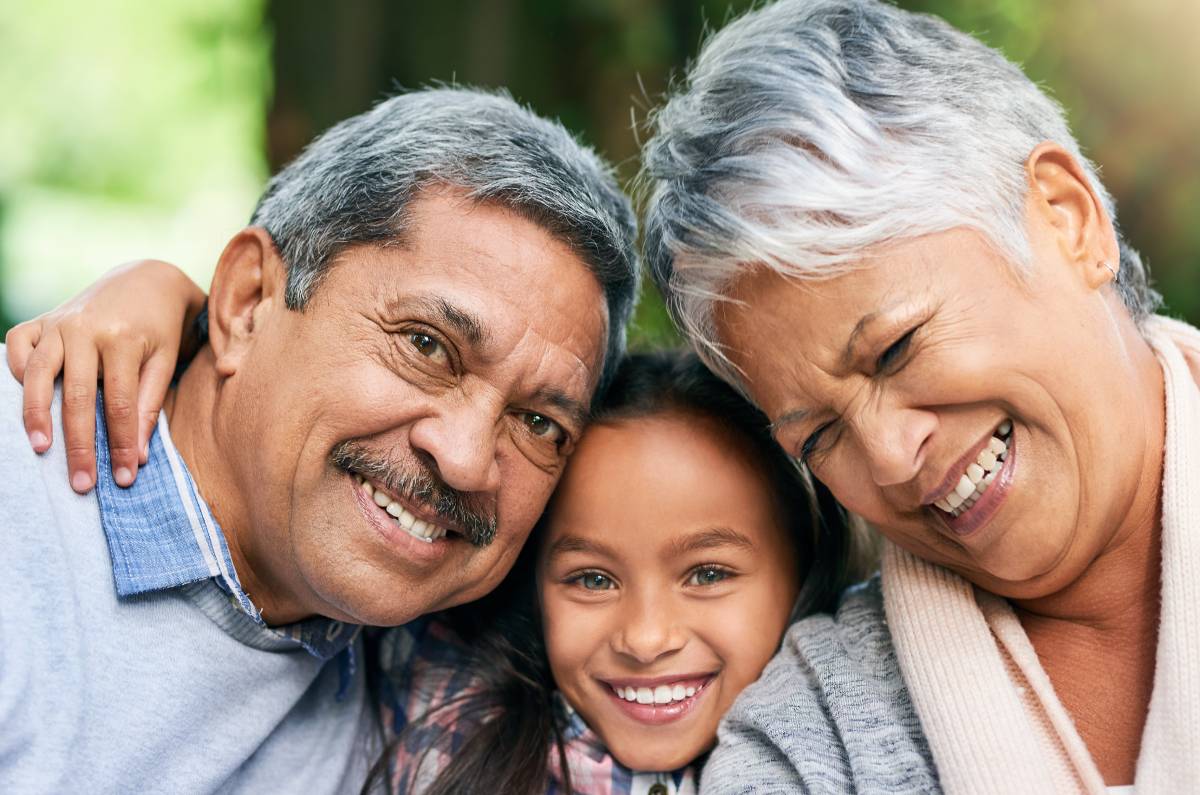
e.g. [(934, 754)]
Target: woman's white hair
[(809, 131)]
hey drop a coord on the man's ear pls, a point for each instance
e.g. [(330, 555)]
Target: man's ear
[(246, 287), (1062, 195)]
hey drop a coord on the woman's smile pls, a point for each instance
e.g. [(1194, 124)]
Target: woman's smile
[(971, 495)]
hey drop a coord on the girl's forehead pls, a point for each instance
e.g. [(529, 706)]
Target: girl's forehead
[(650, 486)]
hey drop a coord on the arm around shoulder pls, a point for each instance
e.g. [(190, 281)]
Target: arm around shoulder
[(830, 713)]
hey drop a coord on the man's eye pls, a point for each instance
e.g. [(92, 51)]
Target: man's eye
[(543, 427), (425, 344), (894, 351), (595, 581), (708, 575)]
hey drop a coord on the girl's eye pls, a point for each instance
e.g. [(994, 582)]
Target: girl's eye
[(889, 357), (708, 575), (543, 427), (595, 581)]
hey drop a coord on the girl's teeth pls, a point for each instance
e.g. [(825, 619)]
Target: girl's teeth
[(1005, 427), (662, 694), (975, 473)]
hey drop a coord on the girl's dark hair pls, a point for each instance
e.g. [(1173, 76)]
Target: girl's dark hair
[(513, 721)]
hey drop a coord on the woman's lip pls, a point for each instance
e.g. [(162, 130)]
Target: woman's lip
[(955, 473), (979, 514), (658, 714)]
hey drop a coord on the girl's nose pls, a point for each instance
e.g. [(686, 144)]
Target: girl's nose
[(648, 631)]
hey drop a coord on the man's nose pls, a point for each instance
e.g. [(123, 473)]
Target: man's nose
[(892, 439), (460, 446), (647, 630)]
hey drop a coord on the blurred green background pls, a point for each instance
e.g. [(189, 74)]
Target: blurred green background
[(136, 129)]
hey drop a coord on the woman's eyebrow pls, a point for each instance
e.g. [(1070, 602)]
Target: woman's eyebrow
[(709, 538)]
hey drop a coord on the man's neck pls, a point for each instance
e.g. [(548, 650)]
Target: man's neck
[(197, 431)]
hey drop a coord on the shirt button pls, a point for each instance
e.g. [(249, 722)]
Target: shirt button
[(657, 789)]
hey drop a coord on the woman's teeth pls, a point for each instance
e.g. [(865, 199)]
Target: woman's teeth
[(663, 694), (979, 475), (411, 524)]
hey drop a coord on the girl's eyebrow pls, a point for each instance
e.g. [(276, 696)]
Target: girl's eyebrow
[(709, 538), (570, 543)]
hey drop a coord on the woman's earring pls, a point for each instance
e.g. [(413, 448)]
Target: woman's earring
[(1110, 270)]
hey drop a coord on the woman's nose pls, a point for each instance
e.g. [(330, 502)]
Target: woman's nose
[(893, 441)]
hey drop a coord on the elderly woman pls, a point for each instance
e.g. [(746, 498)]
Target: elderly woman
[(887, 236)]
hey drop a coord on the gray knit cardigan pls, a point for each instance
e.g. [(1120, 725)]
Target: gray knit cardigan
[(830, 714)]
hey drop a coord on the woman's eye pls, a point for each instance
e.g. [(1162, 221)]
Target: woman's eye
[(812, 443), (894, 351), (543, 427), (595, 581), (708, 575)]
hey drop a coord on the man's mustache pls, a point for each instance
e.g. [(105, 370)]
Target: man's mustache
[(423, 488)]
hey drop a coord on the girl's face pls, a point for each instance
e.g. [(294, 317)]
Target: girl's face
[(666, 577)]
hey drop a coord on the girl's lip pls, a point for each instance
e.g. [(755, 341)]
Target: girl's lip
[(658, 714), (669, 679)]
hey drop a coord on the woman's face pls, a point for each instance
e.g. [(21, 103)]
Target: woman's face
[(666, 578), (894, 380)]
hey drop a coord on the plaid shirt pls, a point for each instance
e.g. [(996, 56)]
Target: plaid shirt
[(426, 665)]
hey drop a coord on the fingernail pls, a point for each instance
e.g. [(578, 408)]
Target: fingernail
[(124, 476), (38, 440), (81, 481)]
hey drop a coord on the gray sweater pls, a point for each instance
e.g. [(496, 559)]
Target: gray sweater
[(830, 714)]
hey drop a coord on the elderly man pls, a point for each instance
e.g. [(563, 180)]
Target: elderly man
[(402, 348)]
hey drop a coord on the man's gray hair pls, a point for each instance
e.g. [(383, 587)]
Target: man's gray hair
[(353, 185), (808, 131)]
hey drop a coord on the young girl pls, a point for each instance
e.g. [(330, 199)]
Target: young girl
[(676, 550), (658, 584)]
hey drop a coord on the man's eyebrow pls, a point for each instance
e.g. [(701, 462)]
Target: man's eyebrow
[(465, 323), (462, 321), (709, 538), (576, 410), (570, 543)]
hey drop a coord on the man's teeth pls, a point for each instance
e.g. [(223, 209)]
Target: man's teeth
[(414, 526), (979, 475), (663, 694)]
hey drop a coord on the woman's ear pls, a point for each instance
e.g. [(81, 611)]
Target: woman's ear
[(247, 286), (1062, 196)]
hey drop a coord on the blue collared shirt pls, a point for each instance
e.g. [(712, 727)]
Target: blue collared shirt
[(161, 535)]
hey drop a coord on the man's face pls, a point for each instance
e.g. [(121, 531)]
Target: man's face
[(403, 432)]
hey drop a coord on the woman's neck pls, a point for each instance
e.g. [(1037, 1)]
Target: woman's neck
[(1102, 628)]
